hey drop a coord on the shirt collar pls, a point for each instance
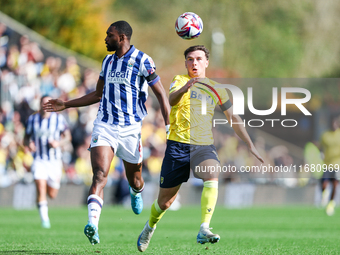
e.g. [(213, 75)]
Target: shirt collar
[(127, 54)]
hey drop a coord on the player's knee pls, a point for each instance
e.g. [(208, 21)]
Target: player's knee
[(53, 195), (99, 176), (164, 205), (136, 183)]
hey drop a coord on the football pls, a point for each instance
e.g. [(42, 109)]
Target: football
[(189, 25)]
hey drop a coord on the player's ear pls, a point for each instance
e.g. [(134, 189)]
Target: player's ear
[(122, 37), (207, 64)]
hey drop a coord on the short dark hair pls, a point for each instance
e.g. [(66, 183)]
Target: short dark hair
[(123, 28), (43, 96), (197, 47)]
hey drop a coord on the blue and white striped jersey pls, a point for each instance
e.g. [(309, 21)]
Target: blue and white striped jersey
[(126, 87), (41, 130)]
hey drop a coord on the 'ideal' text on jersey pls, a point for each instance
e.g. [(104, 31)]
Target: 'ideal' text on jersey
[(126, 87)]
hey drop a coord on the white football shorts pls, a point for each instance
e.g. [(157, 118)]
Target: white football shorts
[(49, 170), (125, 140)]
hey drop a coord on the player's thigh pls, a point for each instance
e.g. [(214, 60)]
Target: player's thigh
[(176, 165), (130, 150), (132, 170), (204, 162), (39, 169), (130, 147), (101, 158), (52, 192), (208, 169), (54, 170), (41, 186), (335, 182)]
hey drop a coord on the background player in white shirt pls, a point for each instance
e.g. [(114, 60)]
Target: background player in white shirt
[(122, 91), (44, 135)]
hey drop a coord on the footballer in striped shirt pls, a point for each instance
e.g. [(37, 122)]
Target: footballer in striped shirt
[(122, 90)]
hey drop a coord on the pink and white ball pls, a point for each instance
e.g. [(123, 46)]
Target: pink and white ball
[(189, 25)]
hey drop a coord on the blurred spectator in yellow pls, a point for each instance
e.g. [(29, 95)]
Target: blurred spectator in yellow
[(330, 145)]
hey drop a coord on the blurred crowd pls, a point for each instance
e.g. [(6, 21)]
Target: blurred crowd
[(26, 74)]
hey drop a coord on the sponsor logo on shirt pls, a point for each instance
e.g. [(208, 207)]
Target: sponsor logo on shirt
[(118, 77)]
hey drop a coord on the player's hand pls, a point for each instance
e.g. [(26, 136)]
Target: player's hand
[(53, 143), (254, 151), (54, 105), (190, 83)]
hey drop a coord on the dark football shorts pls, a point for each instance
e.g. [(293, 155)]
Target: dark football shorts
[(329, 175), (179, 158)]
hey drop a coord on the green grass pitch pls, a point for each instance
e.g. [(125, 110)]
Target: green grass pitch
[(281, 230)]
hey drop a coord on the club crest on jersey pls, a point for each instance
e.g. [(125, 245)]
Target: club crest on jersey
[(131, 63), (172, 84)]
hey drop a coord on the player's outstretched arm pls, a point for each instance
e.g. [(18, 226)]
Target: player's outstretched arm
[(159, 92), (56, 105), (176, 96), (242, 132)]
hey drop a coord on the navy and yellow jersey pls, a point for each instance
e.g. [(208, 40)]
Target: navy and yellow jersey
[(330, 142), (187, 123)]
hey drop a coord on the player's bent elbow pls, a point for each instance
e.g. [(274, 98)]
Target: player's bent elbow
[(172, 101)]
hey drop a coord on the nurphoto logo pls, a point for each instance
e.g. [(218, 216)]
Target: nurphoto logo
[(238, 105)]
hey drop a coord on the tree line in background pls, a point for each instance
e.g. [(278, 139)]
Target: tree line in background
[(264, 38), (76, 24)]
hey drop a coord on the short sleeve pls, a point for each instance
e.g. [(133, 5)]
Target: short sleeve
[(177, 83), (223, 95), (149, 70), (29, 126), (102, 72), (148, 66), (226, 103)]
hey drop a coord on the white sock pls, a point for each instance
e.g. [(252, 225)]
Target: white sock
[(205, 225), (43, 210), (94, 206), (135, 192)]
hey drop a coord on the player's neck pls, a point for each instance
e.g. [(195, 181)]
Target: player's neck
[(123, 50), (197, 76)]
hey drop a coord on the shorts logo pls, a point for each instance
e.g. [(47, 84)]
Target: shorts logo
[(131, 63), (162, 180), (95, 139)]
